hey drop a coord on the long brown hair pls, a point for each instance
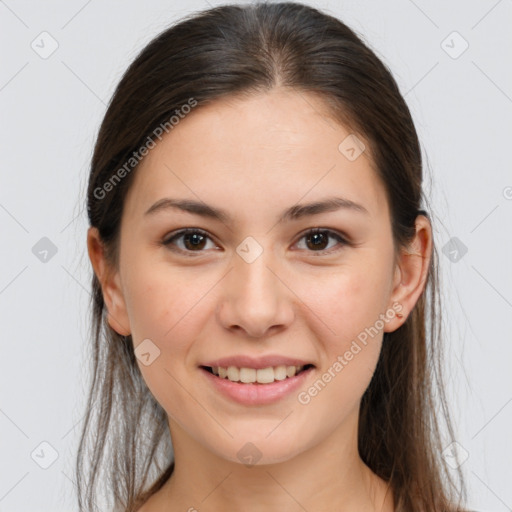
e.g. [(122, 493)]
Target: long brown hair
[(236, 50)]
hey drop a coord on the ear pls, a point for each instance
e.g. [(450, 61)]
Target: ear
[(411, 272), (110, 284)]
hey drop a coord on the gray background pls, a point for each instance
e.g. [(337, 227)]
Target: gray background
[(51, 109)]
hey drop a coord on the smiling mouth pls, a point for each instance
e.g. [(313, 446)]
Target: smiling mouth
[(257, 376)]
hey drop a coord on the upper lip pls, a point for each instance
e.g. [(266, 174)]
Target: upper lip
[(244, 361)]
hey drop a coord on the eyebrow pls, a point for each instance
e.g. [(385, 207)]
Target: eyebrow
[(293, 213)]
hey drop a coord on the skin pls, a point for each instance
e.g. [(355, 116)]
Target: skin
[(255, 157)]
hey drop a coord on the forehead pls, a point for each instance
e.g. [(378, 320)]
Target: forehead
[(248, 154)]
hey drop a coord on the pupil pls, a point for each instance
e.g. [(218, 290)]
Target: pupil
[(318, 239), (195, 240)]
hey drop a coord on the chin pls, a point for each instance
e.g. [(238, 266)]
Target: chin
[(258, 449)]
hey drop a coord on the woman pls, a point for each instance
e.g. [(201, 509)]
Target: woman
[(265, 303)]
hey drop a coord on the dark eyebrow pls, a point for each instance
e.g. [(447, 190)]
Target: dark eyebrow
[(293, 213)]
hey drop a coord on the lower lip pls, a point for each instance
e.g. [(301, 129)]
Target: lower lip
[(255, 393)]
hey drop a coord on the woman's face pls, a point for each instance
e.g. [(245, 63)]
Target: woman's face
[(254, 283)]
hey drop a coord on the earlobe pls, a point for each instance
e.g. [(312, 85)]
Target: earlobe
[(412, 270), (110, 285)]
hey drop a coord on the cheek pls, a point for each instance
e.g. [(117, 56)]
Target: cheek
[(169, 307), (166, 304), (349, 301), (350, 304)]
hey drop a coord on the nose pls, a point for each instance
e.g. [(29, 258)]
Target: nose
[(254, 298)]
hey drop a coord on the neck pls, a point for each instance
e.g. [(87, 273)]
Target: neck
[(319, 478)]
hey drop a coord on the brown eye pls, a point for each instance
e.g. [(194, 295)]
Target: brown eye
[(188, 240), (317, 240), (194, 241)]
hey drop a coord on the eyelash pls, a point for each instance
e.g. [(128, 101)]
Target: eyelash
[(330, 233)]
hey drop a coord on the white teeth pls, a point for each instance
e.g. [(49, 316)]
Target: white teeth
[(290, 371), (233, 373), (280, 372), (252, 375), (247, 375), (265, 375)]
